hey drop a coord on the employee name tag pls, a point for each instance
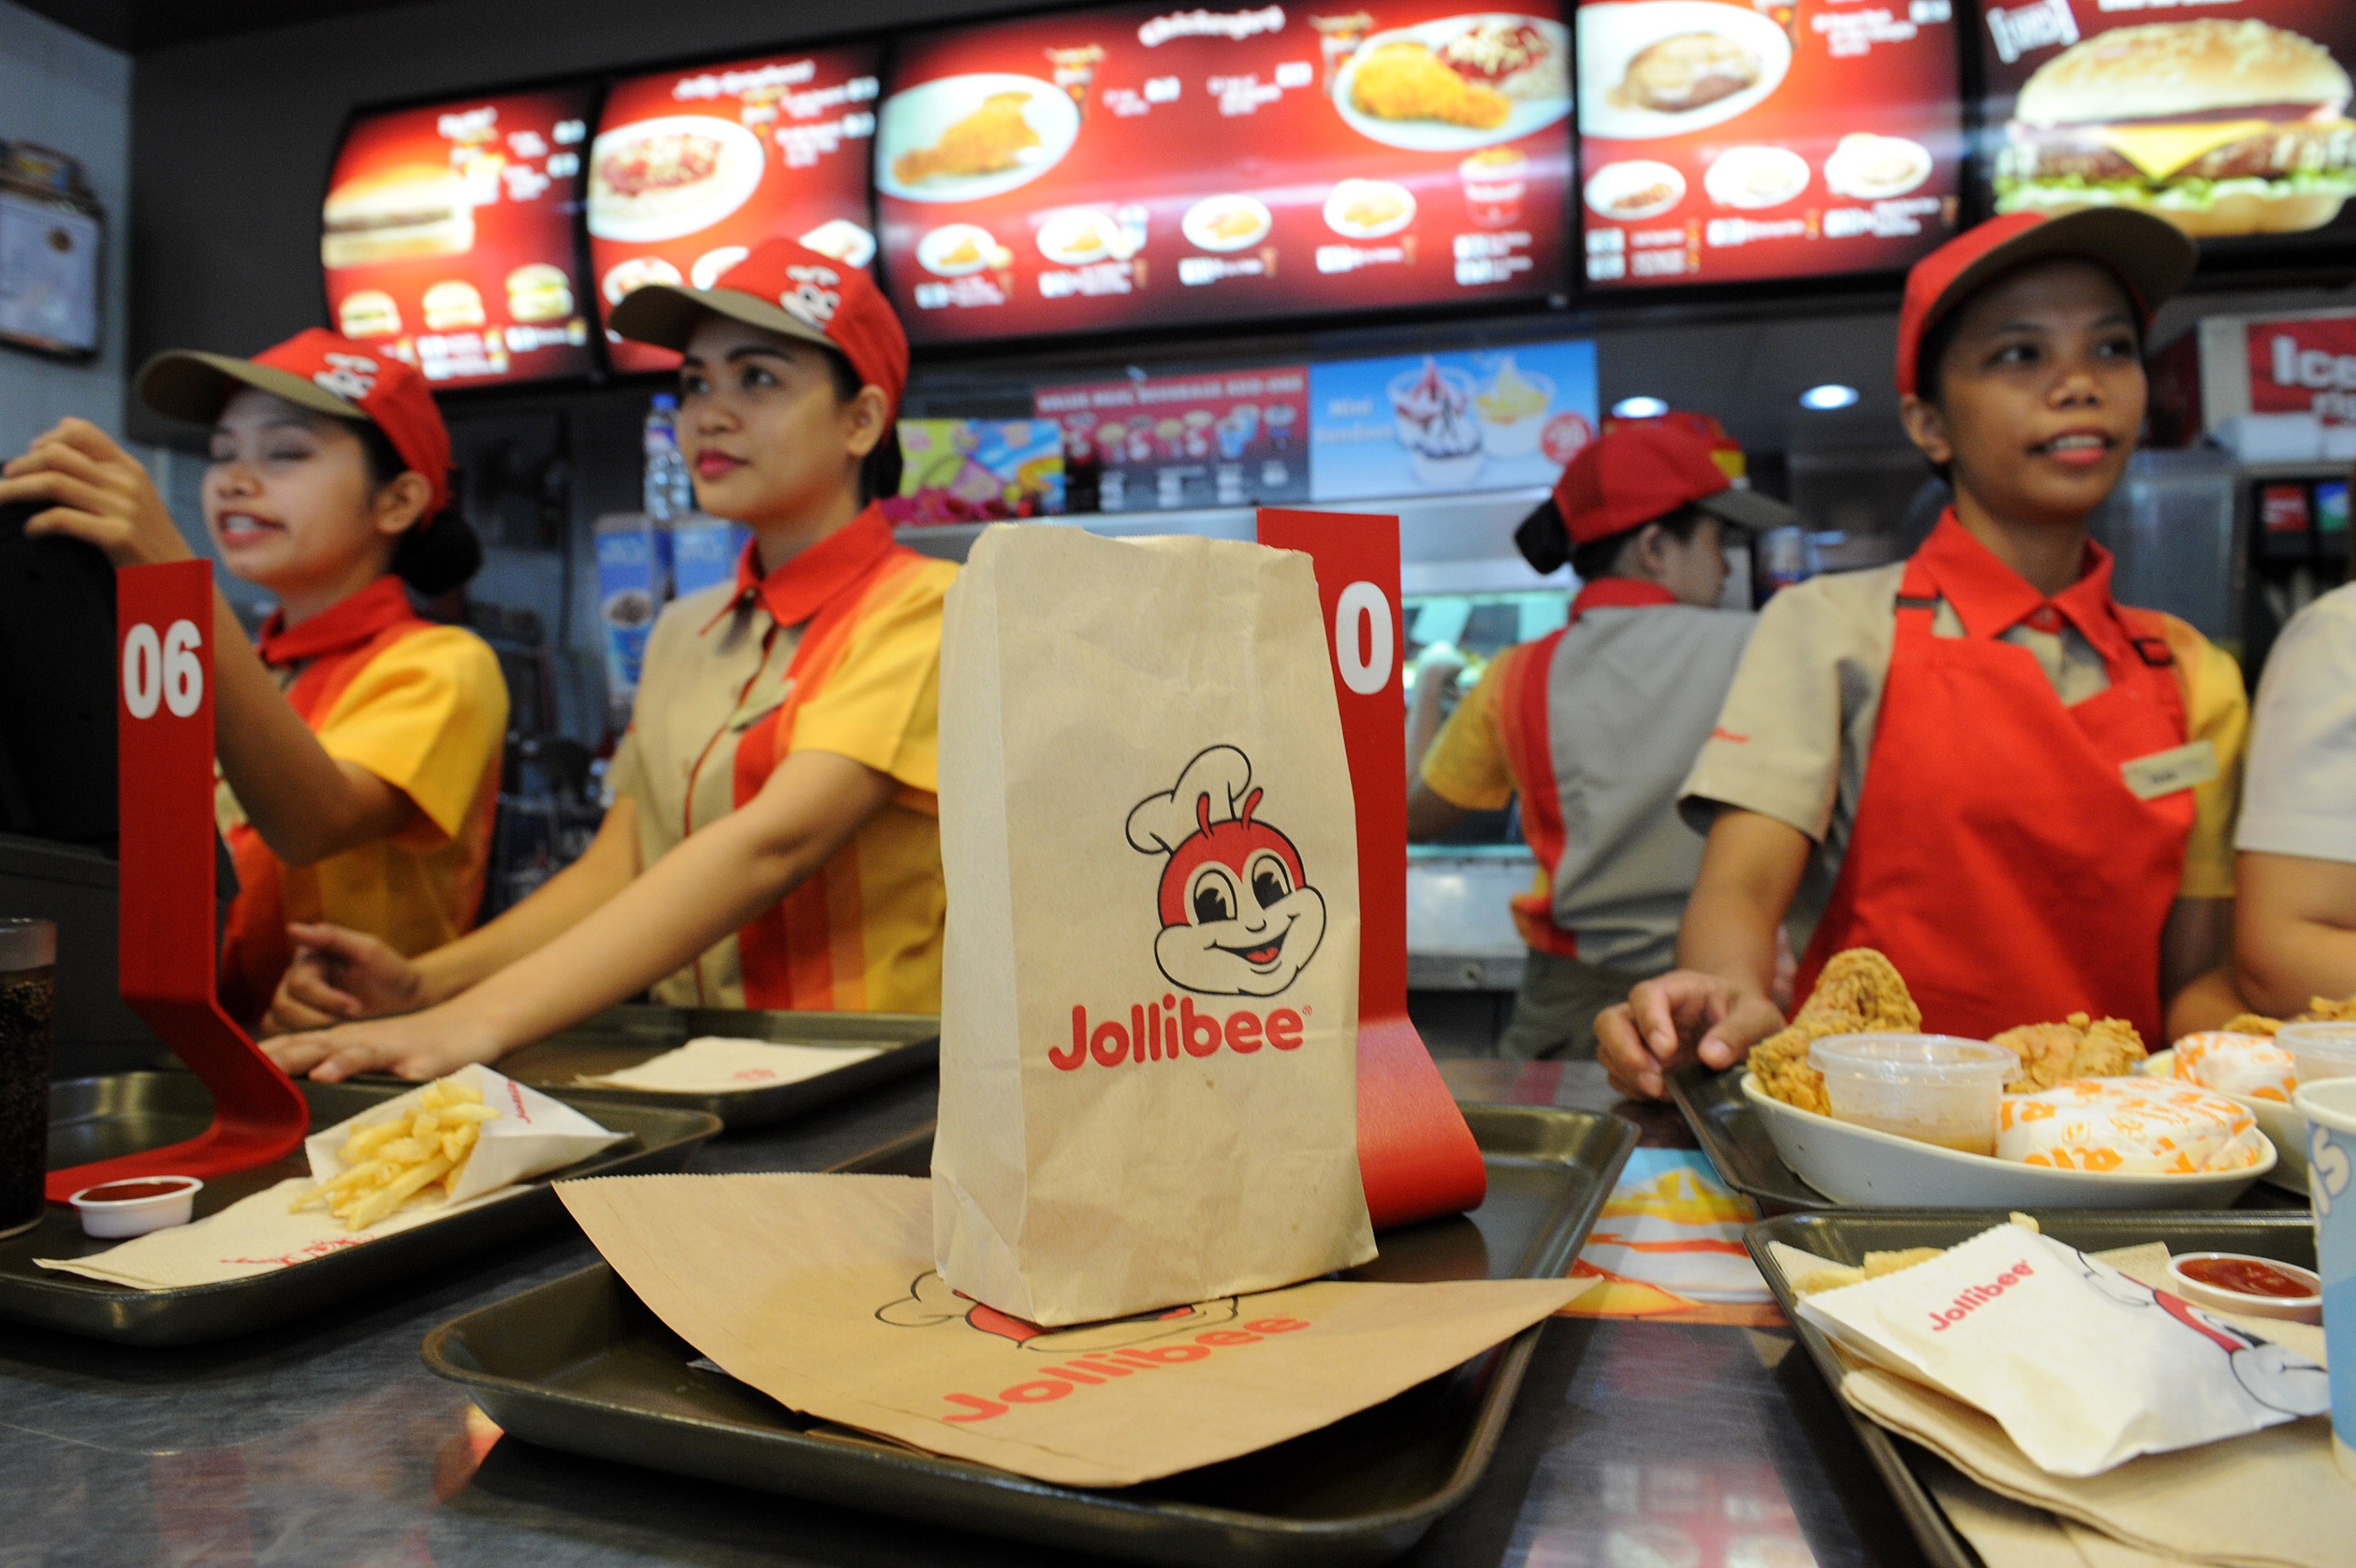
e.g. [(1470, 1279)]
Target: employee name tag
[(2166, 772)]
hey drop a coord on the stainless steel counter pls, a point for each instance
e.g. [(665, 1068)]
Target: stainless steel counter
[(328, 1445)]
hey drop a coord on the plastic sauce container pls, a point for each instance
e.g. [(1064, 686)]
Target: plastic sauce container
[(2236, 1282), (1935, 1088), (2321, 1050), (136, 1205)]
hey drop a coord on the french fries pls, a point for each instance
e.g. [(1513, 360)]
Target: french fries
[(389, 1162)]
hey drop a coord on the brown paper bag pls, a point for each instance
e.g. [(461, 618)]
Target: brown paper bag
[(819, 1291), (1149, 1008)]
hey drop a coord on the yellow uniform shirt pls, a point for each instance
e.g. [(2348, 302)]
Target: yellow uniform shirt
[(837, 651)]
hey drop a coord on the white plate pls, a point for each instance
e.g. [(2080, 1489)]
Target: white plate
[(933, 250), (918, 117), (1436, 136), (1630, 177), (708, 267), (1197, 225), (1079, 235), (844, 241), (2284, 1128), (1753, 178), (1350, 191), (1610, 36), (667, 214), (1844, 175), (635, 272), (1849, 1163)]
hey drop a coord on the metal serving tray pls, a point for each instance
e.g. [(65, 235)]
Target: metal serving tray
[(1731, 1132), (579, 1364), (624, 1037), (98, 1118), (1846, 1235)]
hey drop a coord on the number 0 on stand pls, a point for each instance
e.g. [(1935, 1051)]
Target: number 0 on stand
[(163, 619)]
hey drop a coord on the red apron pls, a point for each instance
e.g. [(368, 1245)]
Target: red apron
[(332, 647), (1999, 858)]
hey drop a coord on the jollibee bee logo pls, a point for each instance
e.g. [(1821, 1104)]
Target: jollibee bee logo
[(815, 297), (1238, 916)]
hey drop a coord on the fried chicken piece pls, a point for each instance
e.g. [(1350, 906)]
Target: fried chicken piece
[(1860, 991), (984, 142), (2251, 1023), (2078, 1047), (2323, 1010), (1407, 81)]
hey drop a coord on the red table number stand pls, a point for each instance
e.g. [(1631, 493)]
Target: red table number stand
[(1416, 1156), (164, 717)]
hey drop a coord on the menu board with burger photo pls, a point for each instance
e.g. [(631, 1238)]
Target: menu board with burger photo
[(2231, 121), (1153, 165), (1728, 140), (448, 238), (692, 168)]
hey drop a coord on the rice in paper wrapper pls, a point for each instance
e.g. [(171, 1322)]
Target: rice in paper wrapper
[(2131, 1126), (2249, 1064)]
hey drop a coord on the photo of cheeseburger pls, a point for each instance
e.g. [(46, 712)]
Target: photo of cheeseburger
[(453, 306), (368, 313), (539, 292), (2220, 127), (395, 214)]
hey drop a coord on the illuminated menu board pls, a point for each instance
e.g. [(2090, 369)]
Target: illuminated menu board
[(1143, 165), (448, 237), (2230, 122), (692, 168), (1729, 140)]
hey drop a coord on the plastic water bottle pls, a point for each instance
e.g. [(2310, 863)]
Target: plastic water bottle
[(666, 479)]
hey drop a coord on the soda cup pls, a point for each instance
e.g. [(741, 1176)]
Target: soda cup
[(28, 973), (2329, 1108)]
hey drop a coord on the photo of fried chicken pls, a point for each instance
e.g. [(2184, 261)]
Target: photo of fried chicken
[(990, 139), (1860, 991), (1406, 81), (2077, 1047)]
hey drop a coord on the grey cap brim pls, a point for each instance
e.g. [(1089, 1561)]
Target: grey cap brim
[(185, 385), (1748, 508), (665, 314)]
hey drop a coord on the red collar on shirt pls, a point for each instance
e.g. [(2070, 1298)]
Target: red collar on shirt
[(798, 589), (1620, 594), (343, 625), (1990, 598)]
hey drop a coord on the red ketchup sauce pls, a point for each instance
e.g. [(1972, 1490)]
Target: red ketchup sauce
[(2250, 1276), (132, 1191)]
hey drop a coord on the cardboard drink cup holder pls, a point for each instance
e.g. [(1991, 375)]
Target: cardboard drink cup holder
[(164, 622)]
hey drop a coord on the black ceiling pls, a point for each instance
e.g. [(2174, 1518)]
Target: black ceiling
[(136, 25)]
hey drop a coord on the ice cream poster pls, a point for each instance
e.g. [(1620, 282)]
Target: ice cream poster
[(1668, 1245), (1445, 424)]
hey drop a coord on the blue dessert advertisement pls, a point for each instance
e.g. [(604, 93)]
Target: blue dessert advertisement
[(1444, 424)]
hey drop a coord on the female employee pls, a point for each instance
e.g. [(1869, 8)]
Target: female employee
[(1978, 761), (360, 750), (774, 841)]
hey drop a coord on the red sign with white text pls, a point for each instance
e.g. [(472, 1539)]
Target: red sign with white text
[(1416, 1156), (692, 168), (1728, 140), (448, 242), (1150, 164), (2305, 366)]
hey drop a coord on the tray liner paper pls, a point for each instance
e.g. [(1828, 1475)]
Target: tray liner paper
[(819, 1290)]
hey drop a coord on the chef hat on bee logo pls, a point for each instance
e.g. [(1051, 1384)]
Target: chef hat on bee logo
[(785, 287)]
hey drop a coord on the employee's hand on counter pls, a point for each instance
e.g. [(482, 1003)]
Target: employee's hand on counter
[(341, 975), (414, 1046), (1684, 1015), (97, 493)]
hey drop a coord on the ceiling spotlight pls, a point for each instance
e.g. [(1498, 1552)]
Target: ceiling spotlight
[(1640, 408), (1830, 395)]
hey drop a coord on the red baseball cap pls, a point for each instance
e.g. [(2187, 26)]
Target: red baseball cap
[(321, 371), (785, 287), (2151, 257), (1636, 472)]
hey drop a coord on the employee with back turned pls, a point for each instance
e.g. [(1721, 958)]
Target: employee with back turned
[(1595, 725)]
